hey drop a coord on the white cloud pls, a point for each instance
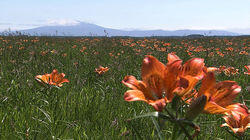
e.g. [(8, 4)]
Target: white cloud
[(63, 22)]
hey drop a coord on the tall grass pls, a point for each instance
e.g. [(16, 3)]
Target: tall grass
[(91, 105)]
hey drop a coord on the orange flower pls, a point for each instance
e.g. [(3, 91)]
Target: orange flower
[(220, 53), (248, 70), (166, 44), (229, 49), (238, 119), (188, 74), (230, 71), (219, 95), (55, 78), (160, 82), (83, 49), (101, 70), (243, 52)]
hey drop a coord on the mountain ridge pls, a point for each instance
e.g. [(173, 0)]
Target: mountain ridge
[(88, 29)]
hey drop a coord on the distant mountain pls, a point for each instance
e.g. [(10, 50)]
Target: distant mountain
[(242, 31), (87, 29)]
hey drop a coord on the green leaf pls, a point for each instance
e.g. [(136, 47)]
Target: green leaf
[(176, 133), (157, 128), (151, 114), (175, 102), (46, 114)]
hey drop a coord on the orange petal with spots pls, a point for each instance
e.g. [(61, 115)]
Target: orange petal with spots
[(151, 66), (194, 67), (238, 123), (153, 74), (43, 78), (225, 92), (133, 83), (158, 105), (134, 95), (186, 85), (213, 108), (171, 80), (208, 82), (239, 108)]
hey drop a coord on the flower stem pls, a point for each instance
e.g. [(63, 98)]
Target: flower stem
[(182, 127)]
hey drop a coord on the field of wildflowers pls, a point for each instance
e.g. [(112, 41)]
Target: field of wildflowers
[(78, 88)]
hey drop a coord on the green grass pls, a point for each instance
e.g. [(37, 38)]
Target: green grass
[(92, 106)]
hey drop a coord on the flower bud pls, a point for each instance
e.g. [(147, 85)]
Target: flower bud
[(196, 107)]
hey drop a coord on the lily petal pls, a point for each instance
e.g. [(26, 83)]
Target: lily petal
[(158, 105), (225, 92), (134, 95), (172, 57), (53, 76), (207, 83), (246, 121), (194, 67), (151, 66), (187, 84), (238, 123), (43, 78), (153, 74), (131, 82), (212, 69), (171, 79), (239, 108), (213, 108)]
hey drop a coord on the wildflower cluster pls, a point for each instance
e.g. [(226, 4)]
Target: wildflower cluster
[(162, 83)]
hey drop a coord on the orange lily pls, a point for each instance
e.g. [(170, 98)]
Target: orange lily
[(187, 75), (238, 119), (160, 82), (248, 70), (101, 70), (219, 95), (55, 78), (151, 89)]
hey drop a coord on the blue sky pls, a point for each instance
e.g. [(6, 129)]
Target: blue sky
[(127, 14)]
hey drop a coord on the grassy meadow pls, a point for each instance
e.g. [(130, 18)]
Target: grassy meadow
[(91, 106)]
